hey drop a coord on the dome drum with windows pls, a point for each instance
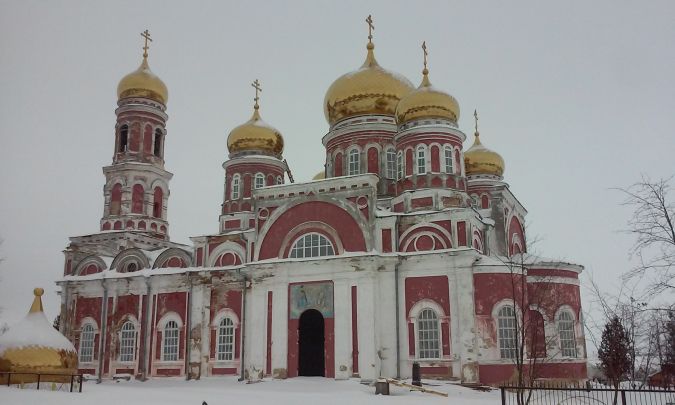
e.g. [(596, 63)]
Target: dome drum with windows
[(34, 346)]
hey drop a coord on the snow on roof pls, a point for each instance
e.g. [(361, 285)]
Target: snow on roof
[(34, 331)]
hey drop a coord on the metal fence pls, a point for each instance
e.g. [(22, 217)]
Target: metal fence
[(55, 382), (596, 394)]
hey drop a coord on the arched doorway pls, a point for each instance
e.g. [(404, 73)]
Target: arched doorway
[(311, 359)]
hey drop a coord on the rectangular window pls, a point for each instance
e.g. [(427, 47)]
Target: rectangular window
[(448, 160), (399, 166), (391, 164), (354, 163), (421, 161), (170, 347)]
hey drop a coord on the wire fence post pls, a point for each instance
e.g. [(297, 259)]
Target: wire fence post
[(72, 377), (81, 381), (38, 381), (623, 397), (503, 395)]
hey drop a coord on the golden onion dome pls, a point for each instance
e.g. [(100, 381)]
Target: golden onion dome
[(370, 89), (320, 176), (34, 346), (481, 160), (255, 135), (143, 83), (427, 102)]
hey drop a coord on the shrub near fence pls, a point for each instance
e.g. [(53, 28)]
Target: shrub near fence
[(548, 393)]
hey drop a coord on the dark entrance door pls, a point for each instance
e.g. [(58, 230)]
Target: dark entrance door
[(311, 360)]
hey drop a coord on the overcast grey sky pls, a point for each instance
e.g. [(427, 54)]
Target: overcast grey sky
[(576, 96)]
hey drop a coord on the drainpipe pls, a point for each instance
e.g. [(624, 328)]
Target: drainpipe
[(398, 321), (188, 327), (101, 337), (145, 347), (242, 325)]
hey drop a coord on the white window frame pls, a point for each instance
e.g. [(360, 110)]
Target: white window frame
[(354, 162), (428, 334), (171, 340), (390, 159), (566, 335), (300, 248), (507, 322), (87, 343), (421, 160), (128, 334), (448, 160), (225, 339), (259, 181), (236, 187)]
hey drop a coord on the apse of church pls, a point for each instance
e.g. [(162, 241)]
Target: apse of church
[(399, 251)]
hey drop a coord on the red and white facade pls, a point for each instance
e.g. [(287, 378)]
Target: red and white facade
[(397, 255)]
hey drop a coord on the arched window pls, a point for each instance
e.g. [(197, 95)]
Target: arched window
[(127, 342), (236, 180), (506, 332), (131, 267), (280, 180), (124, 138), (447, 154), (116, 199), (157, 203), (158, 142), (259, 180), (421, 160), (399, 165), (428, 334), (391, 163), (354, 162), (312, 245), (87, 343), (170, 343), (137, 199), (568, 345), (225, 350)]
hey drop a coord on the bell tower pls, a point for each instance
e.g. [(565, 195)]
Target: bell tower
[(137, 185)]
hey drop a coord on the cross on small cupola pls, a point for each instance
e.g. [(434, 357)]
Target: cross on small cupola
[(371, 27), (146, 34), (258, 89)]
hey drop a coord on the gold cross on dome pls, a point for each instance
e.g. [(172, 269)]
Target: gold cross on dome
[(424, 49), (371, 27), (258, 89), (475, 116), (146, 34)]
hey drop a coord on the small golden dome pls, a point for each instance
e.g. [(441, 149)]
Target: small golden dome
[(320, 176), (481, 160), (256, 135), (143, 83), (34, 346), (369, 90), (427, 102)]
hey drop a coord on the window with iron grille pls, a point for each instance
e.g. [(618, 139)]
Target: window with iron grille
[(127, 342), (568, 344), (87, 343), (170, 346), (225, 340), (428, 334), (312, 245), (506, 330)]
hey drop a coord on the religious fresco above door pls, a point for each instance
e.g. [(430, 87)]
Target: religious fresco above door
[(317, 296)]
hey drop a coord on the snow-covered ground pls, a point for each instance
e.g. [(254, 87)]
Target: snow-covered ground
[(227, 391)]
